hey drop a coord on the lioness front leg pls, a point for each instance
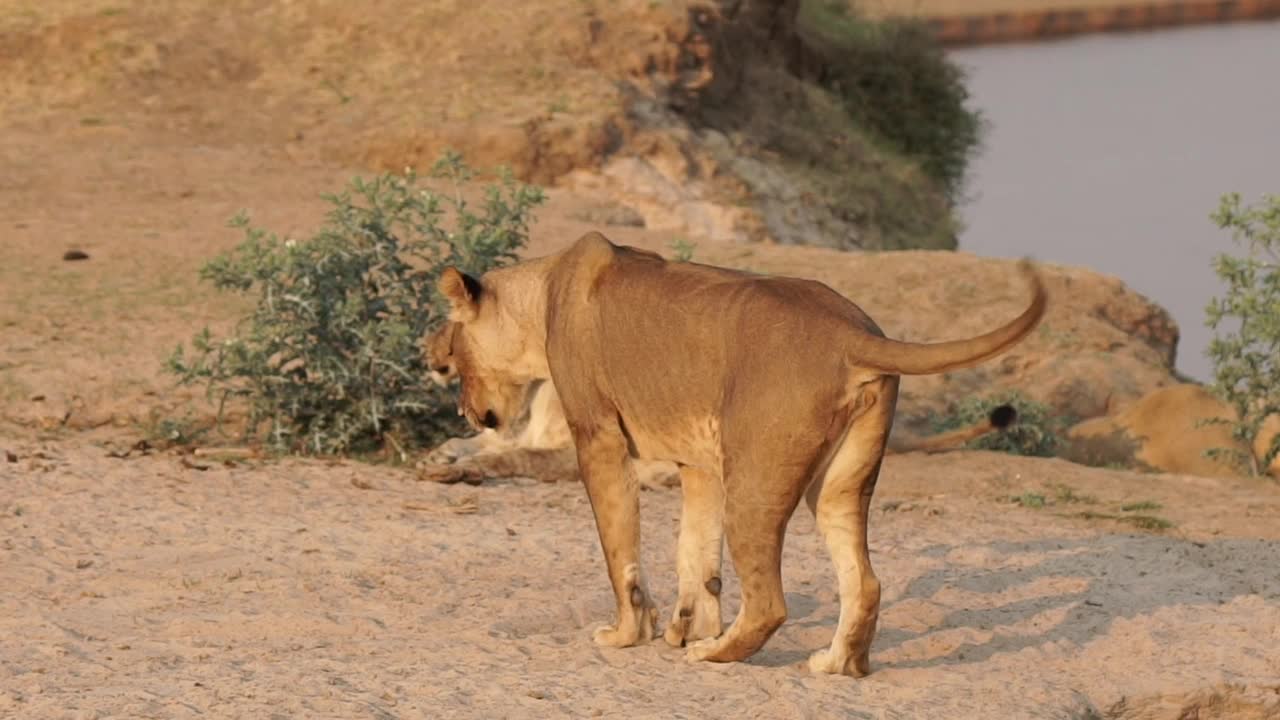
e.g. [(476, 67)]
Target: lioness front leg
[(615, 500), (697, 612)]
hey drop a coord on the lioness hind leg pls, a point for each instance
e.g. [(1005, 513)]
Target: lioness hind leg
[(842, 510), (697, 612), (615, 500), (754, 527)]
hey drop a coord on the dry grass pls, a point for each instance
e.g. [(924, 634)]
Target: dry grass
[(319, 70)]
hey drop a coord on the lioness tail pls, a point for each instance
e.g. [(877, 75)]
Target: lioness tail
[(906, 358)]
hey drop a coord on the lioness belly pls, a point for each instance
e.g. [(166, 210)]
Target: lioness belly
[(687, 442)]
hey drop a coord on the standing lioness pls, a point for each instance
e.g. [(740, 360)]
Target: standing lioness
[(762, 387)]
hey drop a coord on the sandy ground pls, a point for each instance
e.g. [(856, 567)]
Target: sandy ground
[(146, 588), (143, 588)]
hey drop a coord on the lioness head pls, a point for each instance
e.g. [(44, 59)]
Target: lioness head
[(493, 349)]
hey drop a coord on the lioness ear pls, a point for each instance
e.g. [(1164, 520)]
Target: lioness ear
[(463, 293)]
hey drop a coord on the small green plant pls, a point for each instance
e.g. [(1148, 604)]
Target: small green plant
[(1147, 522), (1068, 496), (1034, 433), (328, 361), (183, 431), (1032, 500), (1141, 505), (683, 249), (1245, 350), (343, 97), (1062, 495)]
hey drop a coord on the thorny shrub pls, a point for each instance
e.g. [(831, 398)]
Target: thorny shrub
[(1245, 350), (329, 360)]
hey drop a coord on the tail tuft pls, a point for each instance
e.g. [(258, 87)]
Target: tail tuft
[(1003, 416)]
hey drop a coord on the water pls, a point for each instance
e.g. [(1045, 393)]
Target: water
[(1111, 151)]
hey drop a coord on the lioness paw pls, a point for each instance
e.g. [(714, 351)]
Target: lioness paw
[(613, 636), (677, 631), (824, 661), (701, 650), (633, 630), (688, 624)]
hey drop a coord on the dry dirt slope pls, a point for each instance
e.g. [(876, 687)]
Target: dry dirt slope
[(553, 88)]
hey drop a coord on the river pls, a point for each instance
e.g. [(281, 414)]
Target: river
[(1111, 151)]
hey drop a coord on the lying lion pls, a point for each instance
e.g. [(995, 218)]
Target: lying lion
[(538, 444), (761, 389)]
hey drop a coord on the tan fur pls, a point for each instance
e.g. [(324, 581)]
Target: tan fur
[(904, 442), (1262, 442), (759, 387), (549, 465), (528, 447), (937, 443), (1166, 430), (541, 448)]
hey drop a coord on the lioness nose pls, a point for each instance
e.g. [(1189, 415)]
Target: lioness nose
[(490, 420)]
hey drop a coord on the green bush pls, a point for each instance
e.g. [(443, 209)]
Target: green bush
[(329, 361), (1245, 350), (895, 79), (682, 250), (1034, 433)]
